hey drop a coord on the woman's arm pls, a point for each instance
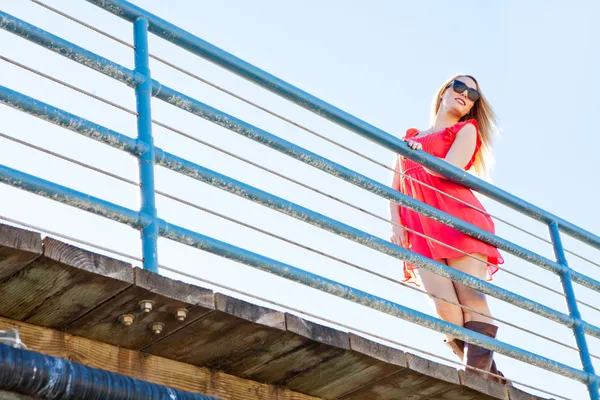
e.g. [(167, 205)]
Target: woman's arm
[(462, 149), (394, 207)]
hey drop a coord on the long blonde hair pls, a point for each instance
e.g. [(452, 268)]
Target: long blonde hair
[(486, 119)]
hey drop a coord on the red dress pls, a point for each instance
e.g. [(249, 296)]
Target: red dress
[(438, 144)]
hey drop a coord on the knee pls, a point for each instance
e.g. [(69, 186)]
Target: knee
[(472, 298), (477, 302), (450, 313)]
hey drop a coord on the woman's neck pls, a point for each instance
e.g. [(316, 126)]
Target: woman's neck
[(443, 121)]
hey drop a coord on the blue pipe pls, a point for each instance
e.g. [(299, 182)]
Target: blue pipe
[(34, 374), (70, 121), (195, 171), (143, 96), (117, 213), (578, 330), (195, 45), (189, 104), (69, 50), (72, 198)]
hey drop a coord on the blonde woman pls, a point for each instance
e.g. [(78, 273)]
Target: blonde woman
[(461, 132)]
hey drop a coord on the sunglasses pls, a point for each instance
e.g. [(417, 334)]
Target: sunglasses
[(459, 87)]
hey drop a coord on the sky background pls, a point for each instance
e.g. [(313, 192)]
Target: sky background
[(381, 61)]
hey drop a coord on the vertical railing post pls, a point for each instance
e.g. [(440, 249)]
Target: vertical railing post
[(567, 284), (143, 94)]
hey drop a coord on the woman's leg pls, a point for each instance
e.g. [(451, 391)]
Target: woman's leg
[(470, 297), (476, 356), (444, 289)]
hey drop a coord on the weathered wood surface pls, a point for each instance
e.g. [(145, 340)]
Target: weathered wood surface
[(265, 352), (168, 296), (61, 285), (18, 248), (146, 367)]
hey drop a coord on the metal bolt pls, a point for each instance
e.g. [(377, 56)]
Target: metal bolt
[(157, 327), (126, 319), (180, 314), (146, 305)]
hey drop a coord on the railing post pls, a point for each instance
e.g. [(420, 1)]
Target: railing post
[(143, 94), (567, 284)]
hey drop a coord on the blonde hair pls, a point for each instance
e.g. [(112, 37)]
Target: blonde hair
[(486, 119)]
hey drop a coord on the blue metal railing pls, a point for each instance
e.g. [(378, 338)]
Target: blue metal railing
[(152, 227)]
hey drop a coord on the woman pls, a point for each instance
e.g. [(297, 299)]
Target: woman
[(461, 131)]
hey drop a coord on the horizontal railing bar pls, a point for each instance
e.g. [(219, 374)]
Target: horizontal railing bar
[(199, 47), (69, 50), (72, 197), (178, 234), (68, 85), (189, 104), (218, 180), (70, 121)]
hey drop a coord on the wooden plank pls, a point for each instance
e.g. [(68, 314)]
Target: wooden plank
[(433, 369), (304, 348), (247, 340), (459, 393), (405, 384), (377, 350), (493, 389), (62, 285), (18, 248), (365, 362), (146, 367), (229, 338), (518, 394), (250, 312), (168, 295), (316, 332)]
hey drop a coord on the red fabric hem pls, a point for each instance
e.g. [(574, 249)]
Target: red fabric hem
[(410, 276)]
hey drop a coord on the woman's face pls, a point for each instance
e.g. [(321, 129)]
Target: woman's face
[(455, 103)]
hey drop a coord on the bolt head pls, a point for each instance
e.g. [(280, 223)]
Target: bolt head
[(146, 305), (126, 319), (181, 314), (157, 327)]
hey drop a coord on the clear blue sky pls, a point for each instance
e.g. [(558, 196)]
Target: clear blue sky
[(537, 63)]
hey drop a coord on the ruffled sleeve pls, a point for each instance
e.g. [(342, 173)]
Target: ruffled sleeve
[(450, 135), (410, 133)]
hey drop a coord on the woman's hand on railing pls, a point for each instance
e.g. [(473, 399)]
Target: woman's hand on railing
[(413, 144)]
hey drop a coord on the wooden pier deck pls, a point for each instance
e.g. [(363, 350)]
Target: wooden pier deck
[(67, 302)]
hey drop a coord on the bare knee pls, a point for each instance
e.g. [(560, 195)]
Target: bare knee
[(449, 313)]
